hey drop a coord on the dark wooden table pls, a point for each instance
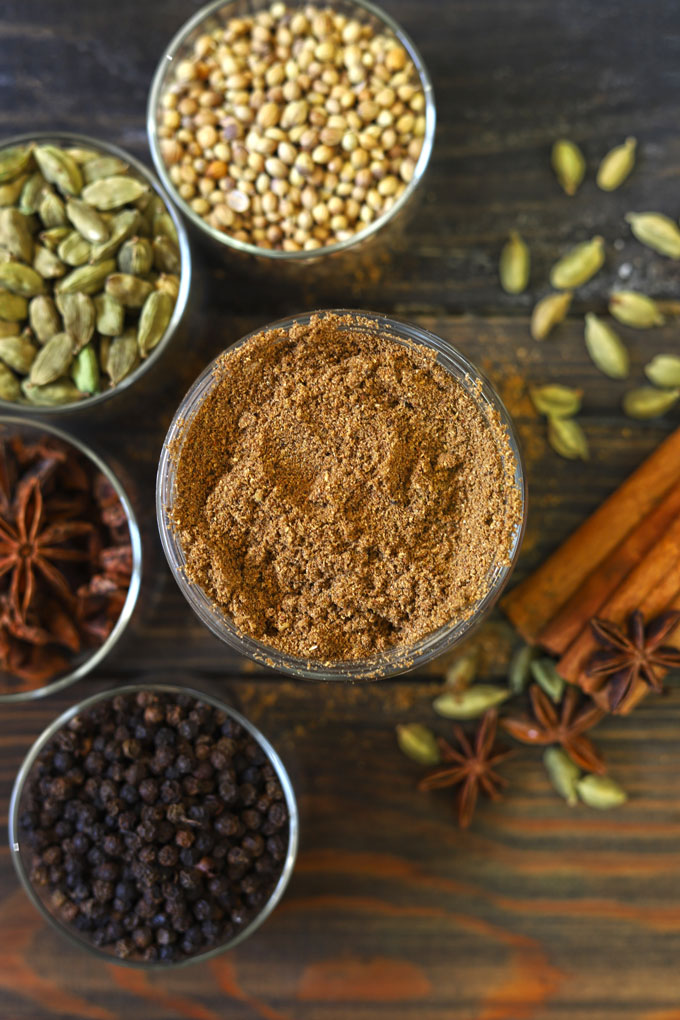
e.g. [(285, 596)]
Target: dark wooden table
[(539, 911)]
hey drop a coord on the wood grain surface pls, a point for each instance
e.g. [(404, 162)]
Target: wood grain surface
[(539, 912)]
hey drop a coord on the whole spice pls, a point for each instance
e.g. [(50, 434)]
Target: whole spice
[(418, 743), (635, 309), (549, 311), (567, 727), (292, 128), (606, 348), (471, 702), (472, 767), (568, 164), (65, 560), (167, 820), (556, 401), (548, 679), (601, 792), (617, 165), (62, 242), (563, 773), (578, 265), (568, 439), (514, 264), (656, 231), (663, 370), (646, 402), (333, 526), (633, 655)]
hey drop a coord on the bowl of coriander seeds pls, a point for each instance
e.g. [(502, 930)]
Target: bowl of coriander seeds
[(95, 270), (291, 131)]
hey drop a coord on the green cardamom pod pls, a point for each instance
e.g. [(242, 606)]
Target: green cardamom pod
[(53, 360), (549, 311), (13, 307), (169, 284), (563, 774), (462, 671), (568, 164), (471, 702), (10, 388), (87, 221), (15, 235), (131, 291), (122, 226), (617, 165), (601, 792), (47, 264), (82, 156), (606, 348), (166, 256), (20, 279), (154, 320), (161, 220), (664, 371), (104, 351), (578, 265), (548, 679), (59, 169), (53, 237), (43, 318), (519, 669), (85, 370), (113, 192), (79, 317), (55, 394), (647, 402), (88, 279), (568, 439), (633, 309), (514, 265), (74, 250), (419, 743), (52, 210), (136, 256), (556, 401), (10, 192), (18, 352), (32, 193), (110, 315), (103, 166), (123, 356), (14, 161), (657, 231)]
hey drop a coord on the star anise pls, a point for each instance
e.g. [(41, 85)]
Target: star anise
[(566, 727), (472, 767), (633, 654)]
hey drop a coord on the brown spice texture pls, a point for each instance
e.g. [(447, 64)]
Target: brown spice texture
[(339, 494)]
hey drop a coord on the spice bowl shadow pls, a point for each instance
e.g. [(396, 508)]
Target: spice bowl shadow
[(398, 659), (11, 425), (146, 175), (20, 853), (360, 253)]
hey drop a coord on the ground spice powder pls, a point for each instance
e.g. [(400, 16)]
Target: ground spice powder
[(339, 494)]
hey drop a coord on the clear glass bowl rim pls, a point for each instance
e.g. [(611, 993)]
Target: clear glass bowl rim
[(399, 660), (226, 240), (171, 688), (87, 141), (98, 654)]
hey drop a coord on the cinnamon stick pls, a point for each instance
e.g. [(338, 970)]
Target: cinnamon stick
[(587, 600), (532, 604)]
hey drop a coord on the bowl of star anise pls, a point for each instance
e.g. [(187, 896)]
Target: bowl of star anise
[(70, 559)]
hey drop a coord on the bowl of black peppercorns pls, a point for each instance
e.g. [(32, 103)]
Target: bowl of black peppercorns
[(153, 825)]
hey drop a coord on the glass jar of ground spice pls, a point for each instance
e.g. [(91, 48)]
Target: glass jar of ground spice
[(340, 495)]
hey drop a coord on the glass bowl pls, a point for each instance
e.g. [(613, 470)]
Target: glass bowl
[(20, 853), (107, 148), (399, 659), (10, 424), (217, 14)]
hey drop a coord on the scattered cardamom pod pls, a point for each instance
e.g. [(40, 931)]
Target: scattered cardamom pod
[(568, 164), (85, 370), (462, 670), (601, 792), (87, 221), (556, 401), (647, 402), (568, 439), (55, 394), (471, 702), (47, 264), (548, 679), (548, 312), (14, 161), (10, 388), (59, 168), (634, 309), (657, 231), (79, 317), (578, 265), (153, 320), (110, 315), (606, 348), (15, 235), (112, 192), (563, 774), (617, 165), (514, 264), (519, 669), (123, 356), (18, 352), (43, 318), (419, 743), (20, 279), (53, 360), (664, 371)]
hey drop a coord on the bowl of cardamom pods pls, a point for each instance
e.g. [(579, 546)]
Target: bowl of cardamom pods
[(95, 269)]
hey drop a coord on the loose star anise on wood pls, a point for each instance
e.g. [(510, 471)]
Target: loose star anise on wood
[(566, 727), (635, 654), (472, 767)]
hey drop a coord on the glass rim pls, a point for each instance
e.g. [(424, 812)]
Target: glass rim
[(393, 661), (275, 254), (167, 688), (184, 281), (100, 653)]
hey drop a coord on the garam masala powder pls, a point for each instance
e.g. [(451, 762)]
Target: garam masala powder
[(338, 494)]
